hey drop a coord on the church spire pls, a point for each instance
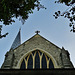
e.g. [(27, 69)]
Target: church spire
[(17, 41)]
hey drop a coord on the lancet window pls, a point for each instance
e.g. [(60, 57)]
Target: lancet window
[(37, 60)]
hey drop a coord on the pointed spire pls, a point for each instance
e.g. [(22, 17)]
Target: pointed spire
[(17, 41)]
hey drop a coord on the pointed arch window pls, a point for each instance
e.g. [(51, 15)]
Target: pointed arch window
[(23, 65), (30, 62), (51, 66), (37, 61), (44, 62)]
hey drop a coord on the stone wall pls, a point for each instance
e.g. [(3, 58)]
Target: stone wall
[(40, 43)]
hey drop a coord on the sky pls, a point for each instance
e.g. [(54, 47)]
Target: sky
[(56, 31)]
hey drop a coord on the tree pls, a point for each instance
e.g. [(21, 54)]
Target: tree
[(22, 8), (69, 13), (18, 9), (1, 34)]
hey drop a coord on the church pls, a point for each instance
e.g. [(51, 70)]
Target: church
[(36, 53)]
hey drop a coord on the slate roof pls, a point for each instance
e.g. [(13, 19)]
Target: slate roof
[(17, 41)]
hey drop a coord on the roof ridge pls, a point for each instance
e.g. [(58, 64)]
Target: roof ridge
[(40, 36)]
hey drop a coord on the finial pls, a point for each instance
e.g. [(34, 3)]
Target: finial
[(37, 32), (63, 47)]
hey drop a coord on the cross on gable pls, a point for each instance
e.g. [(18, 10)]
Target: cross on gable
[(37, 32)]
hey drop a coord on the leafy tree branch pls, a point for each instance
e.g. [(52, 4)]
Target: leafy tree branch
[(22, 8), (68, 13)]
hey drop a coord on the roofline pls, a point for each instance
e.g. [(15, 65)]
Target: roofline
[(32, 37)]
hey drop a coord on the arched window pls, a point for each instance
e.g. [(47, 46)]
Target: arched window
[(23, 65), (51, 66), (44, 63), (30, 62), (37, 61)]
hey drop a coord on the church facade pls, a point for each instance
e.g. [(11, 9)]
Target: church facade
[(36, 53)]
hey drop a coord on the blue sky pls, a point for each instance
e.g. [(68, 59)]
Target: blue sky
[(55, 30)]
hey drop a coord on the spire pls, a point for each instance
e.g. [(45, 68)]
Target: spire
[(17, 41)]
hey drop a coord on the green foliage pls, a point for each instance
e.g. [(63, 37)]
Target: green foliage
[(65, 1), (18, 8), (1, 36), (69, 13), (22, 8)]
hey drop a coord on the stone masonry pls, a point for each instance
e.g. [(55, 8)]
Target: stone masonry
[(59, 56)]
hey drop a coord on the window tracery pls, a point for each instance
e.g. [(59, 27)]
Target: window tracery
[(37, 60)]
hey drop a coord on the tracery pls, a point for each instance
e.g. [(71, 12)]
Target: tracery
[(37, 60)]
